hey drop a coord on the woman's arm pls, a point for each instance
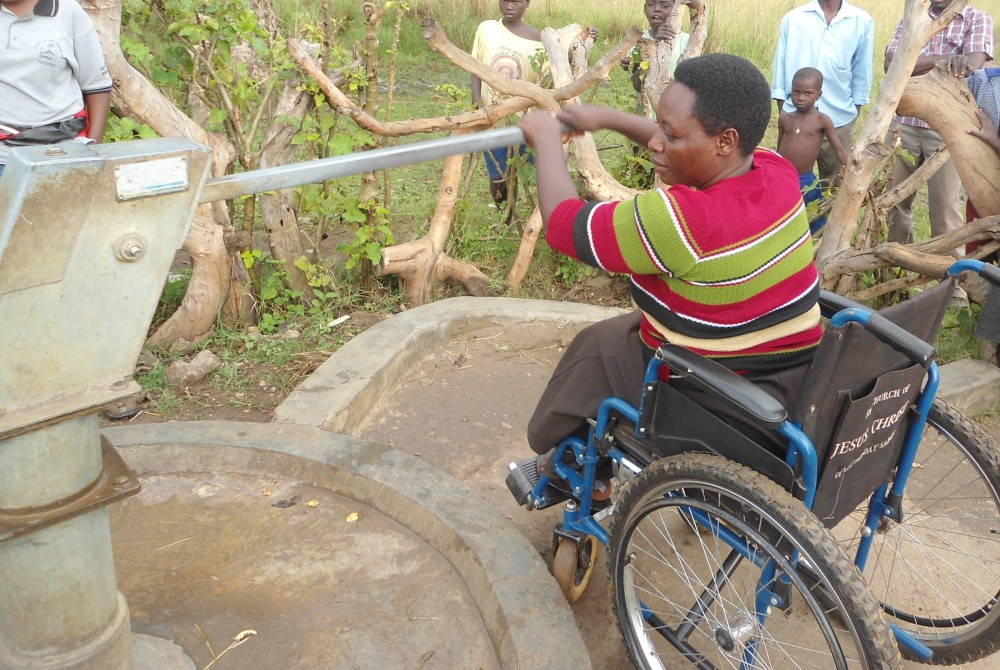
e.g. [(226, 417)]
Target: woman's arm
[(543, 131), (588, 118)]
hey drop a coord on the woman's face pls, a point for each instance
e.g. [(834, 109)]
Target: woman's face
[(683, 153)]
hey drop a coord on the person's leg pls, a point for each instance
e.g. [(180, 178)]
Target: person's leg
[(604, 359), (901, 216), (944, 192), (496, 168), (971, 215), (827, 163), (812, 192)]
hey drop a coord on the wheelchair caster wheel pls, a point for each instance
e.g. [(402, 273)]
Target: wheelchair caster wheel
[(573, 565)]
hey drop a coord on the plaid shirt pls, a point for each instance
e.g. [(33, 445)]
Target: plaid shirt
[(970, 32), (985, 85)]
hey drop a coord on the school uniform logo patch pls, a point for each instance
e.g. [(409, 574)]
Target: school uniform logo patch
[(508, 65), (49, 53)]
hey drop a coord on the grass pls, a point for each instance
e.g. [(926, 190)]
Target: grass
[(428, 85), (478, 235), (749, 30)]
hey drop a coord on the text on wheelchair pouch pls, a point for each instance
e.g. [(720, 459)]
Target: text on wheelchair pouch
[(874, 437)]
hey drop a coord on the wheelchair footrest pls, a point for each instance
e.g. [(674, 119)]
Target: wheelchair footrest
[(523, 476)]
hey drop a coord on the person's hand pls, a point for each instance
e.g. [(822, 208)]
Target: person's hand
[(539, 124), (665, 32), (956, 66), (987, 131), (579, 119)]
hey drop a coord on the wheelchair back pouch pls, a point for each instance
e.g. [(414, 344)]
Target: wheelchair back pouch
[(863, 451), (858, 404)]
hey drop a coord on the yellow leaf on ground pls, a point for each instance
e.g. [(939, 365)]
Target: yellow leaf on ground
[(352, 517), (312, 503)]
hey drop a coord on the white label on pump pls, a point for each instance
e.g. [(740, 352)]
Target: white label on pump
[(156, 177)]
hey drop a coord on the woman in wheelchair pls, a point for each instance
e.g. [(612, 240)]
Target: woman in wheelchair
[(720, 256), (774, 447)]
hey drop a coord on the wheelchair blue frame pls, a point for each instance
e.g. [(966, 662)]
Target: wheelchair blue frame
[(801, 455)]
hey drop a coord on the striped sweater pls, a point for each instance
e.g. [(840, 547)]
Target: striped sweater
[(727, 271)]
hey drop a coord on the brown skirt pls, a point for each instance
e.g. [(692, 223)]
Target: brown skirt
[(608, 358)]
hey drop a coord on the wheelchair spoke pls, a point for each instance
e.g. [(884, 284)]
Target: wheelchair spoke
[(695, 566), (937, 572)]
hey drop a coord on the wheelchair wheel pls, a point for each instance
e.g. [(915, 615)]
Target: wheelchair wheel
[(937, 574), (732, 597), (572, 567)]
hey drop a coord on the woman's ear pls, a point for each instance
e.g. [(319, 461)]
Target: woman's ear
[(727, 142)]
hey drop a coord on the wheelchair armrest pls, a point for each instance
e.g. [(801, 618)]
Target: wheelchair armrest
[(754, 404), (830, 303)]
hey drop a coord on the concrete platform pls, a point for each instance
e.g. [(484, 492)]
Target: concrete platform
[(427, 576)]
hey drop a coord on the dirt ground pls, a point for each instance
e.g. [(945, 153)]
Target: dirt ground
[(210, 400)]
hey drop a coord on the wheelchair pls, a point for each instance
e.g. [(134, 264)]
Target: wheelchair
[(872, 534)]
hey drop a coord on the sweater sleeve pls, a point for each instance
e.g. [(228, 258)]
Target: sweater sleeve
[(559, 232), (627, 236), (585, 230)]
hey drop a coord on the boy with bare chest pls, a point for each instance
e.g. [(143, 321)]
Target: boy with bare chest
[(801, 133)]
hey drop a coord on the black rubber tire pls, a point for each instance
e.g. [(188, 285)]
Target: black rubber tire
[(657, 566), (937, 574)]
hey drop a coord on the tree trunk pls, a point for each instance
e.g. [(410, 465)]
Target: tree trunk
[(212, 266), (422, 262), (946, 103), (280, 221)]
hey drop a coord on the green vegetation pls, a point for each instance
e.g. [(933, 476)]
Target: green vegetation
[(345, 233)]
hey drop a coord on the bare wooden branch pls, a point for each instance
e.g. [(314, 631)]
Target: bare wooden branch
[(698, 11), (909, 186), (439, 42), (529, 238), (478, 119), (597, 182), (945, 102), (929, 258)]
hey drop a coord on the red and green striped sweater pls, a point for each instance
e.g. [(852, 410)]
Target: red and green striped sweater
[(727, 271)]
